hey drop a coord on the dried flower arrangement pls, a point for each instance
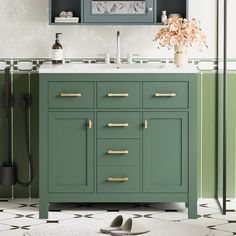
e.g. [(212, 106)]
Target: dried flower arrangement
[(181, 32)]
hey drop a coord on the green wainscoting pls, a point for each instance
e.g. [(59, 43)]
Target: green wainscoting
[(5, 192), (34, 130), (207, 143), (219, 148), (24, 82), (231, 128), (20, 85), (231, 141), (207, 124)]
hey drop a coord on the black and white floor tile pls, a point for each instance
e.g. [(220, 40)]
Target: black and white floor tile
[(19, 217)]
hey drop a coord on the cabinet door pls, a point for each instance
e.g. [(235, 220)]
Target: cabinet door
[(113, 11), (165, 152), (70, 152)]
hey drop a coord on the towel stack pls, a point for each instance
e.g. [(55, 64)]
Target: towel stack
[(66, 17)]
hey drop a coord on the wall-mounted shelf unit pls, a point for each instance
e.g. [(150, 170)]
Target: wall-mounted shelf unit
[(171, 7), (94, 12), (57, 6)]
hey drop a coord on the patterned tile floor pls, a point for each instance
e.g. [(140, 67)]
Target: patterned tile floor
[(19, 217)]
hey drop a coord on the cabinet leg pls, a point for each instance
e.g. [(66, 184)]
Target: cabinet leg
[(43, 210), (192, 209)]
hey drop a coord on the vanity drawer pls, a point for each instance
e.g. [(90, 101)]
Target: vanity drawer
[(71, 94), (118, 152), (165, 95), (118, 180), (118, 95), (118, 124)]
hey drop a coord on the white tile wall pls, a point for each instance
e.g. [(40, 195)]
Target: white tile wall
[(25, 32)]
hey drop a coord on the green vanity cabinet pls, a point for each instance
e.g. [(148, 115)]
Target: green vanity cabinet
[(118, 138), (165, 151)]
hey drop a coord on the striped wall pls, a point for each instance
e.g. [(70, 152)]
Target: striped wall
[(206, 134), (207, 107), (231, 135)]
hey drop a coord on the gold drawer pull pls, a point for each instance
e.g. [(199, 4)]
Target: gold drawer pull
[(90, 124), (118, 152), (117, 94), (70, 94), (145, 124), (117, 125), (165, 94), (111, 179)]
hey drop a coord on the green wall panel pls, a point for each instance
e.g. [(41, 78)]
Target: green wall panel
[(231, 126), (5, 191), (22, 83), (219, 147), (34, 128), (207, 146), (208, 108), (25, 83), (199, 133), (20, 155)]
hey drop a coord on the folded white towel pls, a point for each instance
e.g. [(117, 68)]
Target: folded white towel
[(67, 19)]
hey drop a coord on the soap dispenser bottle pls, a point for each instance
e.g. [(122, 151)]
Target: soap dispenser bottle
[(57, 51)]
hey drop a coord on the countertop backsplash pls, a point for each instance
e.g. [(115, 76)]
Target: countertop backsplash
[(33, 64)]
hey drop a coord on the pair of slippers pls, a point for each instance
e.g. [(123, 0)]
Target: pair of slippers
[(130, 227)]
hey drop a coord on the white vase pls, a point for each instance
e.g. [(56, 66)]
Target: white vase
[(180, 57)]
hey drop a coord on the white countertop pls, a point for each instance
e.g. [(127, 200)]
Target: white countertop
[(150, 68)]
